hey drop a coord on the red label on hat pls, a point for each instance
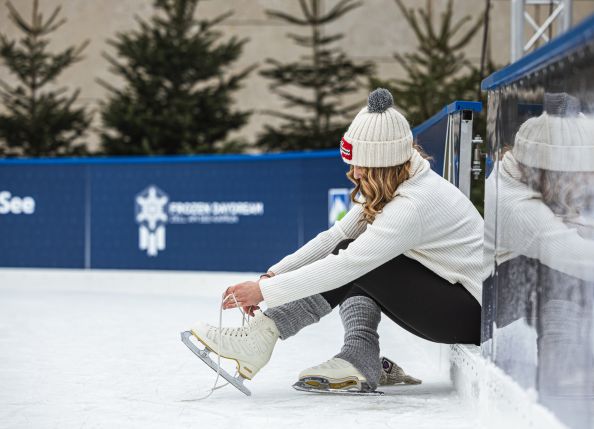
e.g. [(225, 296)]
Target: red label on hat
[(346, 149)]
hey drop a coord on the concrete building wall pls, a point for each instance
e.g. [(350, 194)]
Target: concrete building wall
[(374, 32)]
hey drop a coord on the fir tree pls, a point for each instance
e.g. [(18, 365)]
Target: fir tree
[(438, 72), (35, 120), (325, 73), (177, 97)]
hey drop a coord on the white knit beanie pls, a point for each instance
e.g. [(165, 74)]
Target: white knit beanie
[(561, 139), (379, 136)]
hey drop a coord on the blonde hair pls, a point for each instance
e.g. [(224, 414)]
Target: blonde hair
[(567, 194), (378, 186)]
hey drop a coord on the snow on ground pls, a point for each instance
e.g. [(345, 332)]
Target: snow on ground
[(101, 349)]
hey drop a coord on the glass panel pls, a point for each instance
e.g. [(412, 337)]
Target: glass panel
[(539, 236)]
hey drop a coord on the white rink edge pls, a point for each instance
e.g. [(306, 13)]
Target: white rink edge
[(501, 401), (181, 283)]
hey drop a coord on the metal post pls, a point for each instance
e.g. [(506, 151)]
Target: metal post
[(567, 16), (562, 13), (465, 160), (517, 30), (448, 154)]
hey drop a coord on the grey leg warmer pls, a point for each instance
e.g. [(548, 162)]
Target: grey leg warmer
[(360, 317), (290, 318)]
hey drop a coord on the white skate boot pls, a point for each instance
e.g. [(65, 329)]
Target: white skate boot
[(250, 346), (334, 376)]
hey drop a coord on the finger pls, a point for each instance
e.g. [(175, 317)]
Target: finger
[(229, 302), (230, 293), (237, 297)]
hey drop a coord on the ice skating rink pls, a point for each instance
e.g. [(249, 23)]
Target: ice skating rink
[(101, 349)]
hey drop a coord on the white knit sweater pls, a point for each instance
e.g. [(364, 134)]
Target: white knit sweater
[(526, 226), (429, 220)]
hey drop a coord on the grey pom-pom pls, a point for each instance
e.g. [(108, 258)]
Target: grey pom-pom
[(561, 104), (379, 101)]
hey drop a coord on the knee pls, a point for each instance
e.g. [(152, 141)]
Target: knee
[(342, 245)]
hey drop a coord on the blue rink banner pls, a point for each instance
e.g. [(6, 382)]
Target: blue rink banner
[(216, 213)]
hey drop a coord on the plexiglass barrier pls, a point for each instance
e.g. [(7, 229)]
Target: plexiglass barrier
[(538, 291)]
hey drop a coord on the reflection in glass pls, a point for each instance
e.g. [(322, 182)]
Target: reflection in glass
[(539, 255)]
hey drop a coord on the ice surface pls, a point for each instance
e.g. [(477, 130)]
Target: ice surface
[(101, 349)]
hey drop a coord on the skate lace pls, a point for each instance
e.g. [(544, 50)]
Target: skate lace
[(235, 332), (244, 318)]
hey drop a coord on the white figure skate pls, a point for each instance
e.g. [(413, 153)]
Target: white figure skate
[(339, 376), (334, 376), (249, 346)]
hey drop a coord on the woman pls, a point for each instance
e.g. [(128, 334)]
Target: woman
[(412, 249)]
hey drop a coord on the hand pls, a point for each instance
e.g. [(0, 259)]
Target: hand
[(246, 294), (250, 309)]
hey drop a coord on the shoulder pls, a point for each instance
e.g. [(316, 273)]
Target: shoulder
[(428, 187), (401, 205)]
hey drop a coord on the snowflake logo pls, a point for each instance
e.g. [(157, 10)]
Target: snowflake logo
[(150, 214)]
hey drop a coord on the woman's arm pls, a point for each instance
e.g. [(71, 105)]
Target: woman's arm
[(324, 243), (393, 232), (533, 230)]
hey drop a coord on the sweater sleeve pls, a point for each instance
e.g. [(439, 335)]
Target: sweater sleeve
[(324, 243), (393, 232), (533, 230)]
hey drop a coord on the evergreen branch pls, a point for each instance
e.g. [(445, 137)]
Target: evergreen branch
[(469, 34), (446, 21), (282, 115), (308, 41), (36, 17), (306, 12), (206, 24), (17, 19), (305, 41), (47, 29), (285, 17), (451, 32), (427, 20), (324, 40), (78, 51), (343, 7), (294, 99), (408, 13), (232, 81), (53, 16), (411, 18)]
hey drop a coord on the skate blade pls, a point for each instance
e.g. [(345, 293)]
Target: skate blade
[(348, 387), (203, 354)]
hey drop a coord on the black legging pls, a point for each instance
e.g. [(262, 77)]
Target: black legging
[(417, 299)]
